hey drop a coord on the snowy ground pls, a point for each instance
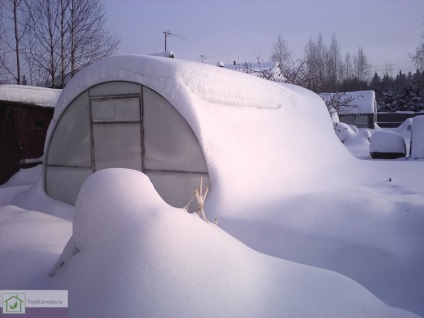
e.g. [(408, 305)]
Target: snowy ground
[(305, 229), (214, 273)]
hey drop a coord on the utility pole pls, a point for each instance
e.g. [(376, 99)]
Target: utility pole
[(168, 33)]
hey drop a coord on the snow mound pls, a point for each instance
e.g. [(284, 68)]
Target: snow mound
[(387, 142), (417, 138), (405, 128), (38, 240), (135, 256), (343, 131)]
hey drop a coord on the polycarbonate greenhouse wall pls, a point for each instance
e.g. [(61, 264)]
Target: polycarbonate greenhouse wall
[(124, 125)]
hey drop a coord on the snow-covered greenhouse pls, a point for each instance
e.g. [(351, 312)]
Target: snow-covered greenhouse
[(104, 121), (177, 122)]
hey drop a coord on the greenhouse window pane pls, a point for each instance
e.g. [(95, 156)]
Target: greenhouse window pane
[(65, 191), (117, 146), (170, 143), (115, 109), (70, 144)]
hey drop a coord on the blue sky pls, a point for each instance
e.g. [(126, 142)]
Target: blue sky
[(235, 30)]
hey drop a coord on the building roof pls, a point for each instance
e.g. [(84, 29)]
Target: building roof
[(39, 96), (363, 102)]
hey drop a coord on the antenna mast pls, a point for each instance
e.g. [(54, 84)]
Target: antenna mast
[(168, 33), (204, 57)]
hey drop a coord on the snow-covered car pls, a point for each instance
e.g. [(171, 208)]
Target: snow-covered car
[(387, 145)]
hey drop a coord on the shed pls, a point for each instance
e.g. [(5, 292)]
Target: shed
[(357, 108), (25, 114), (177, 122)]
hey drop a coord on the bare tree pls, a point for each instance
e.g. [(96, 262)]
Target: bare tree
[(293, 69), (281, 54), (418, 57), (338, 102), (3, 50), (347, 67), (90, 40), (315, 55), (333, 65), (360, 65), (13, 28), (64, 36), (43, 18)]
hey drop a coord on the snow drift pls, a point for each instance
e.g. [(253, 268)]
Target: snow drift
[(159, 261), (281, 183)]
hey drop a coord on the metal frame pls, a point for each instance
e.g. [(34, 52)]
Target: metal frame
[(141, 123)]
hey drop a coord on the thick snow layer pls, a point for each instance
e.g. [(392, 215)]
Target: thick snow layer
[(35, 241), (417, 138), (39, 96), (282, 183), (247, 126), (343, 131), (164, 262), (387, 142), (24, 189)]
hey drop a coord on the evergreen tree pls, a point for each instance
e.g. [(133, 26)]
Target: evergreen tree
[(377, 85)]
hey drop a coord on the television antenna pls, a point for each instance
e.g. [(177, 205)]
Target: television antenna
[(168, 33), (258, 57), (204, 57)]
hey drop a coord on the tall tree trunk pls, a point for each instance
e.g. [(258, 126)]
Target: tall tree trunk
[(15, 20)]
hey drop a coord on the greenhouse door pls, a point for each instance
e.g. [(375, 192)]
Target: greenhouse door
[(116, 132)]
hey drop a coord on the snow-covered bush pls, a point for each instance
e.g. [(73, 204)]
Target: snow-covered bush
[(366, 133), (354, 128), (387, 144), (343, 131), (417, 138)]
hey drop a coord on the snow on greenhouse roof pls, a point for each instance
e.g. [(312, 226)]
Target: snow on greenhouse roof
[(40, 96), (234, 116)]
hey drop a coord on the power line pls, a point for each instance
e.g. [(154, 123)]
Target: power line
[(384, 65), (168, 33)]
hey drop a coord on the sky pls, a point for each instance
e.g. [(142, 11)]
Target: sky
[(236, 30)]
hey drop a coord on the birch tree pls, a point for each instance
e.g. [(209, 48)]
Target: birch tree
[(315, 56), (418, 56), (12, 30), (66, 36), (360, 65)]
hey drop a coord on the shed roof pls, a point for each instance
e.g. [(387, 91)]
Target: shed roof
[(39, 96), (363, 102)]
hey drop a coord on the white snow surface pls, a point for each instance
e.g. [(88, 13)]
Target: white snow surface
[(285, 191), (417, 138), (164, 262), (40, 96), (387, 142)]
